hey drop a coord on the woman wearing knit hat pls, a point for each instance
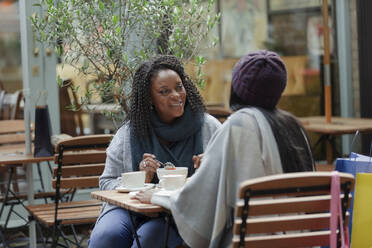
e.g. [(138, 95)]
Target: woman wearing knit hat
[(257, 140)]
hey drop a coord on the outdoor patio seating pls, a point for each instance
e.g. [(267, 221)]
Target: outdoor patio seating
[(80, 162), (13, 183)]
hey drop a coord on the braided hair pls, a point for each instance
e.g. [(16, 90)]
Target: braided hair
[(140, 107)]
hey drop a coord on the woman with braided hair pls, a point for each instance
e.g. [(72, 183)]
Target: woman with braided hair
[(167, 122)]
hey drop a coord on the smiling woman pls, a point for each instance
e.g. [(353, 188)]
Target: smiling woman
[(166, 123), (168, 95)]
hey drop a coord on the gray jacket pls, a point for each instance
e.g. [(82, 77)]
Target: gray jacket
[(119, 158)]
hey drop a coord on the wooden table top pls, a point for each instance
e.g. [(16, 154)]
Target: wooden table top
[(15, 154), (124, 200), (338, 125)]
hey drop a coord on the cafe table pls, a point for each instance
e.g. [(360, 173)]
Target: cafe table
[(13, 155), (338, 126), (125, 201)]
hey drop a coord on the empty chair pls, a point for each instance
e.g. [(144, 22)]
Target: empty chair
[(12, 177), (80, 161), (287, 210)]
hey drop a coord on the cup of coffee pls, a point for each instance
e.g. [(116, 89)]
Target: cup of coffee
[(172, 182), (134, 179)]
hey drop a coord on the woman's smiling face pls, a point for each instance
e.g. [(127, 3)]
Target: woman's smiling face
[(168, 95)]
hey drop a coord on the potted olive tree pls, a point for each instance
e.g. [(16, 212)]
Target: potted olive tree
[(109, 39)]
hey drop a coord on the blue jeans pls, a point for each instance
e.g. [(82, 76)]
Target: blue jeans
[(114, 229)]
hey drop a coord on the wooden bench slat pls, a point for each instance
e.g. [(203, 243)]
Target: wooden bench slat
[(81, 170), (78, 182), (12, 126), (82, 157), (285, 223), (306, 239), (12, 138), (86, 140), (309, 204)]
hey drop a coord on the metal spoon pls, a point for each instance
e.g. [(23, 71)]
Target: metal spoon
[(161, 163), (166, 164)]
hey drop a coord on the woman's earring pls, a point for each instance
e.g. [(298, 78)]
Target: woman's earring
[(152, 107)]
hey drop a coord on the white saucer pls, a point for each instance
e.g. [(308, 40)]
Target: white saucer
[(123, 189)]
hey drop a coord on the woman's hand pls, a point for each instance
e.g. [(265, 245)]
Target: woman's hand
[(144, 196), (149, 165), (197, 159)]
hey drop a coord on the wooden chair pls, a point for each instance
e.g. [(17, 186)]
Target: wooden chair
[(70, 119), (12, 138), (11, 106), (80, 162), (12, 177), (287, 210)]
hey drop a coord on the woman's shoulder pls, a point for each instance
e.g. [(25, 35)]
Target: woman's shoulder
[(123, 130), (210, 120), (243, 115), (122, 135)]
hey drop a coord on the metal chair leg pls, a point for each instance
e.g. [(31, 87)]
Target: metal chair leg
[(7, 191), (3, 240)]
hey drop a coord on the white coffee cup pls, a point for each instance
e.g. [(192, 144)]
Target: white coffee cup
[(135, 179), (172, 182), (176, 171)]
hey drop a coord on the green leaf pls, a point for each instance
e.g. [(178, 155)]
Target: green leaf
[(101, 5), (59, 81), (85, 65), (114, 19)]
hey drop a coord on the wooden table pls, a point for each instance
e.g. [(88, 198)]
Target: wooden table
[(14, 155), (338, 126), (124, 200)]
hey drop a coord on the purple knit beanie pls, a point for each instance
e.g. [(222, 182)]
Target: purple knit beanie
[(259, 79)]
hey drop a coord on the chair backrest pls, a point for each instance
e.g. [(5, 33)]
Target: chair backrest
[(80, 161), (12, 132), (12, 137), (70, 119), (2, 95), (287, 210), (11, 105)]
